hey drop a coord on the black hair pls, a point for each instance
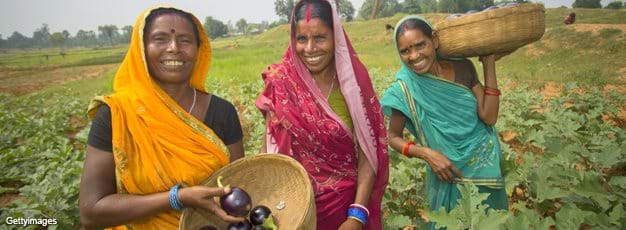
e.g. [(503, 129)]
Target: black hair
[(572, 14), (414, 24), (162, 11), (319, 9)]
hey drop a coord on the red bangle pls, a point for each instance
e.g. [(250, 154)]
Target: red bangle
[(406, 147), (492, 92)]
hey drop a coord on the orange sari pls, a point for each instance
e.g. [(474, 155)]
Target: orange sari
[(156, 143)]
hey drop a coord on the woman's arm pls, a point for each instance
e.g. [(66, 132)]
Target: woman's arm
[(365, 182), (236, 150), (101, 206), (488, 105), (264, 143), (439, 163)]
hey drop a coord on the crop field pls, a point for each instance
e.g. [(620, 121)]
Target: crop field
[(562, 124)]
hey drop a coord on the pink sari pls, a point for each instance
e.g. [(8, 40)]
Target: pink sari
[(301, 124)]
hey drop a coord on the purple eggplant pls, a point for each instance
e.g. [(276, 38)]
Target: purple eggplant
[(491, 8), (208, 227), (259, 214), (454, 16), (243, 225), (237, 202), (471, 12)]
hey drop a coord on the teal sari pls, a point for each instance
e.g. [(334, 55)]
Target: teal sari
[(443, 116)]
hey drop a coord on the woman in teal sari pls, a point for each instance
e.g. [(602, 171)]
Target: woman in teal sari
[(442, 103)]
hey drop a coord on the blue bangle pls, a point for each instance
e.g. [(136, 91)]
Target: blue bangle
[(174, 201), (358, 214)]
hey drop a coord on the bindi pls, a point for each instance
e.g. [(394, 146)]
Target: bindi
[(172, 31)]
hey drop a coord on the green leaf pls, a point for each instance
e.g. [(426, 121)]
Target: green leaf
[(570, 217), (618, 182), (492, 220), (452, 220), (618, 215), (395, 221)]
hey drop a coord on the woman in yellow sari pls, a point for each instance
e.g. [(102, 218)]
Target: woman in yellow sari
[(159, 130)]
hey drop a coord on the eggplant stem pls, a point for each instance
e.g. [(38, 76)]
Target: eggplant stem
[(219, 182)]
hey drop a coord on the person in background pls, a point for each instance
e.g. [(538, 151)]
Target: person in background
[(570, 19)]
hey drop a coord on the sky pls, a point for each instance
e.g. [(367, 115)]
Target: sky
[(25, 16)]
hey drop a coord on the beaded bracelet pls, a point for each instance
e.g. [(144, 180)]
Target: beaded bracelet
[(175, 203), (357, 214), (406, 147), (361, 207)]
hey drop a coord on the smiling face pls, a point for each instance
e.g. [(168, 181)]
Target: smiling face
[(315, 44), (417, 50), (171, 48)]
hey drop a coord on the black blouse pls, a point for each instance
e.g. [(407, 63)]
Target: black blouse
[(221, 117)]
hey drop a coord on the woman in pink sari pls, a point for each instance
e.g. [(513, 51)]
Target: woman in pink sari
[(321, 109)]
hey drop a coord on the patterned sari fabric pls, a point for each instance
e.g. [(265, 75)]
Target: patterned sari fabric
[(445, 119), (156, 143), (301, 124)]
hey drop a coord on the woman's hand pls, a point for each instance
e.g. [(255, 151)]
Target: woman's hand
[(350, 224), (441, 166), (492, 58), (202, 197)]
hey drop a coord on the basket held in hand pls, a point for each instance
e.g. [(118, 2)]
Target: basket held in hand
[(269, 179)]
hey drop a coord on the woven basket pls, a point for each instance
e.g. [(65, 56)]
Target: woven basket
[(488, 32), (268, 179)]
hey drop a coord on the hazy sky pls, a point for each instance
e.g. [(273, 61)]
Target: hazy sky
[(25, 16)]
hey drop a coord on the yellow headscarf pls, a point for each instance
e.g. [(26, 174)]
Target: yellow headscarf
[(156, 143)]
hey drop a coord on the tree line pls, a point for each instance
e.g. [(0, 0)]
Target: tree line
[(109, 35)]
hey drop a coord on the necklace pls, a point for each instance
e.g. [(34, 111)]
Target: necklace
[(332, 85), (194, 101)]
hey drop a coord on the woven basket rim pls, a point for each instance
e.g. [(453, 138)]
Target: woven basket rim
[(486, 15), (273, 159)]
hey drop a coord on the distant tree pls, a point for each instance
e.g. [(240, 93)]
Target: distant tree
[(214, 28), (242, 25), (615, 5), (265, 25), (346, 9), (428, 6), (66, 34), (478, 5), (40, 36), (58, 39), (2, 42), (127, 33), (387, 8), (411, 6), (375, 9), (109, 32), (587, 4), (448, 6), (462, 6), (275, 24), (509, 1), (283, 9), (85, 37), (17, 40)]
